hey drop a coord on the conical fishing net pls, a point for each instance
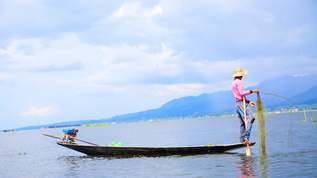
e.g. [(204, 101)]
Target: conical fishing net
[(261, 125)]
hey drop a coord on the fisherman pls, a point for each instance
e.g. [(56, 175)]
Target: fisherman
[(239, 93)]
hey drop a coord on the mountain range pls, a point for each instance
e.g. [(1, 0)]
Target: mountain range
[(302, 90)]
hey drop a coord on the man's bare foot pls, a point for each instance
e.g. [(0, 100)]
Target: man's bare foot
[(246, 141)]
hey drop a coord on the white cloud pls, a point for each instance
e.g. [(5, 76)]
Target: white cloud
[(44, 111), (57, 54), (119, 13), (293, 36), (156, 10), (137, 65), (3, 76), (135, 9)]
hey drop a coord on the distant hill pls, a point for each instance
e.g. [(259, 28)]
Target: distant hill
[(300, 89), (288, 86), (308, 97)]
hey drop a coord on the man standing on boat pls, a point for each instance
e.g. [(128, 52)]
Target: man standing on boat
[(239, 94)]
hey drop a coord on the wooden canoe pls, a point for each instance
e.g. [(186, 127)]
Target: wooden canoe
[(150, 151)]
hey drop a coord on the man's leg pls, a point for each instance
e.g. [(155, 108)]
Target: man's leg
[(242, 130), (250, 120), (241, 127)]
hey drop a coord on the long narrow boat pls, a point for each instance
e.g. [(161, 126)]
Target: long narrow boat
[(150, 151)]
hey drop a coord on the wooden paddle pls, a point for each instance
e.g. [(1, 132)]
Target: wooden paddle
[(71, 137), (248, 151), (52, 136)]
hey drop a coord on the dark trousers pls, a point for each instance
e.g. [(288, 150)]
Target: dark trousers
[(244, 132)]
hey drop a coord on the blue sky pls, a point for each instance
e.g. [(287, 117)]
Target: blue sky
[(78, 60)]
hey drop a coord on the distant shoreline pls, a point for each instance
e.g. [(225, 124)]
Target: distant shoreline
[(149, 120), (269, 111)]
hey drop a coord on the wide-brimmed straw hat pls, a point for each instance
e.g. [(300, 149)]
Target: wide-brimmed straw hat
[(239, 72)]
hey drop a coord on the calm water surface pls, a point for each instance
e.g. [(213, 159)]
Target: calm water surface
[(291, 150)]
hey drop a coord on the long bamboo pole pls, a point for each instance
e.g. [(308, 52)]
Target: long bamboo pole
[(248, 150)]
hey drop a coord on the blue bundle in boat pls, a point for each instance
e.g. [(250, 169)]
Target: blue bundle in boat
[(68, 131)]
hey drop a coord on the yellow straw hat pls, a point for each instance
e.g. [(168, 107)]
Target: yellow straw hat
[(239, 72)]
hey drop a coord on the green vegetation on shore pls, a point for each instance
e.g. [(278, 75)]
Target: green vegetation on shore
[(92, 125)]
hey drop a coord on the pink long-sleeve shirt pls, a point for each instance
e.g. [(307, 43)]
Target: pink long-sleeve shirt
[(238, 91)]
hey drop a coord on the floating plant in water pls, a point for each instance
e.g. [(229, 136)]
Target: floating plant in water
[(302, 121)]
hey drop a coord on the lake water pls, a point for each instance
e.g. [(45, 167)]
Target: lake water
[(291, 150)]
